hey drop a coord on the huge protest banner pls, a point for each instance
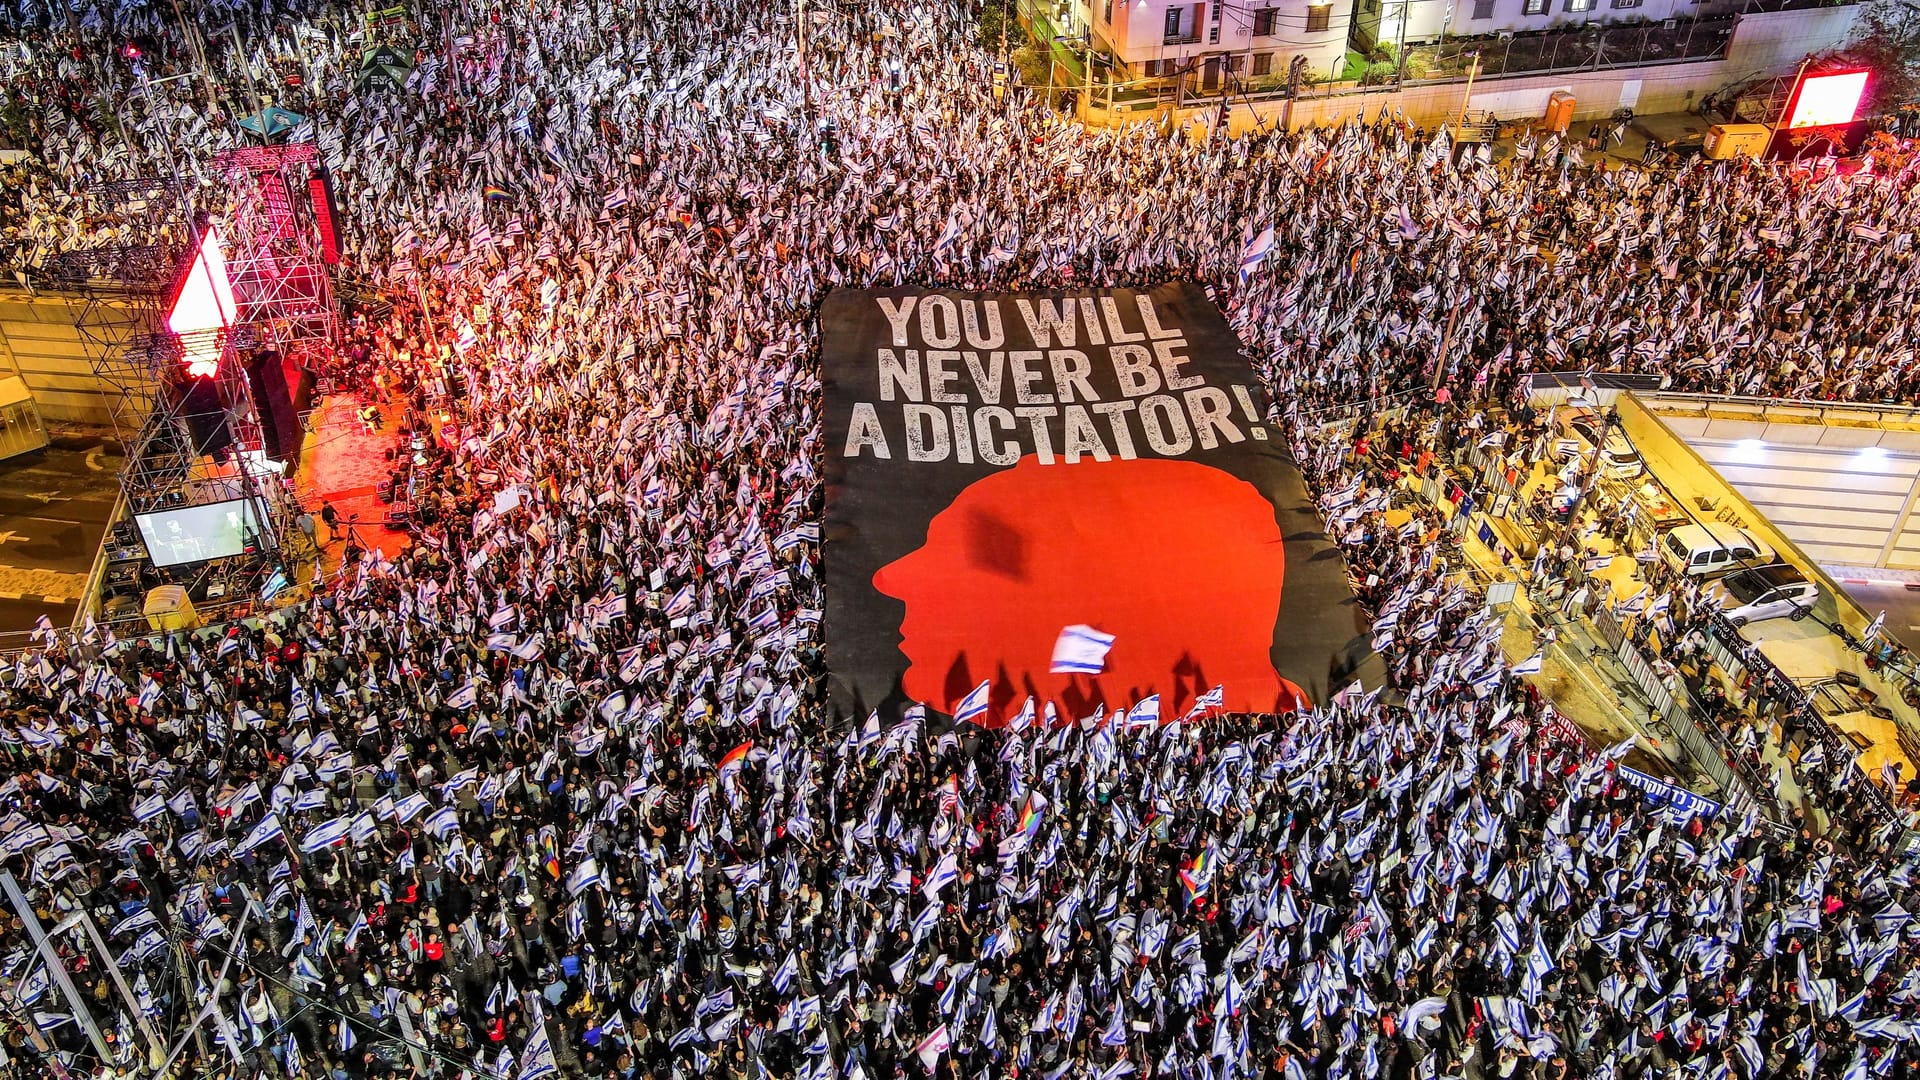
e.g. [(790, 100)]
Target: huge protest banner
[(1073, 497)]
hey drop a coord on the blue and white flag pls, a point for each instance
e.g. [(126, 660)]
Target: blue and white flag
[(1082, 650), (327, 833), (268, 829), (443, 822), (410, 807), (585, 876), (1256, 252), (784, 976), (465, 697), (1215, 698), (1531, 665), (944, 873), (1145, 712), (537, 1061), (973, 708)]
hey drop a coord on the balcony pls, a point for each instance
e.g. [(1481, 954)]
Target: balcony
[(1192, 38)]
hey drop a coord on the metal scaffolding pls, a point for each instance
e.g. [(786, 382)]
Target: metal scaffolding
[(274, 259), (118, 294)]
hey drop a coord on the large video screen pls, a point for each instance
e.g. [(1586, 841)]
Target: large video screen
[(189, 534), (1828, 99)]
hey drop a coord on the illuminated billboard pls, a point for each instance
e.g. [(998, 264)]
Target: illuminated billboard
[(204, 307), (1823, 100)]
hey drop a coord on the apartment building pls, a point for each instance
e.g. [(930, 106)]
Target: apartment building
[(1221, 42)]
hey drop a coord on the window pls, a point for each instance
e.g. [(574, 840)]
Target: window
[(1213, 35), (1264, 21), (1181, 28), (1262, 64), (1579, 5), (1318, 17), (1483, 9), (1627, 3), (1533, 7), (1107, 13)]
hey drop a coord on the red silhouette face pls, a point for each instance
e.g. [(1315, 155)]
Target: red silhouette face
[(1181, 562)]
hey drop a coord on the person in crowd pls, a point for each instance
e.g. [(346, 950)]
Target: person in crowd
[(556, 790)]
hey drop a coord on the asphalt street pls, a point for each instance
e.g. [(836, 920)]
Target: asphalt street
[(1901, 604), (54, 506)]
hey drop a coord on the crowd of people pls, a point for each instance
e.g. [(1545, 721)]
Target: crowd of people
[(556, 790)]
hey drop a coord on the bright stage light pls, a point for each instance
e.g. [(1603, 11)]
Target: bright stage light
[(204, 307), (1827, 99)]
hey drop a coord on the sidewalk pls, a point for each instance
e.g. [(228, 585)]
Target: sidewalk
[(1578, 674)]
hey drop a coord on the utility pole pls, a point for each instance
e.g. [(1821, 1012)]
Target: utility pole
[(1086, 95), (1473, 68), (1295, 71), (55, 966)]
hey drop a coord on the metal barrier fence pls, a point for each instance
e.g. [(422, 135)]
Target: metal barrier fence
[(1713, 756), (1724, 641)]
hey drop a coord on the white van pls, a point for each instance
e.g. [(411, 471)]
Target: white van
[(1714, 547)]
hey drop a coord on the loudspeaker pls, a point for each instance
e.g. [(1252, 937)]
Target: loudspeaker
[(206, 416), (279, 421)]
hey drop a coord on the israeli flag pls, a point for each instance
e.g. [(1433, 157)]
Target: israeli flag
[(789, 970), (538, 1061), (327, 833), (973, 708), (944, 874), (1146, 711), (1082, 650), (465, 697), (268, 829), (584, 876), (410, 807), (1256, 252), (442, 822), (1531, 665)]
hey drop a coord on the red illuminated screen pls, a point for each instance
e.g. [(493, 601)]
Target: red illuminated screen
[(204, 307), (1828, 99)]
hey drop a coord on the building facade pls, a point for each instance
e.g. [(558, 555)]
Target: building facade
[(1400, 21), (1221, 43)]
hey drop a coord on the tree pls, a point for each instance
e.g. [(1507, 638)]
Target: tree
[(1886, 40), (996, 24)]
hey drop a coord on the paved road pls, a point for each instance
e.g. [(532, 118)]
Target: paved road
[(54, 507), (1901, 605)]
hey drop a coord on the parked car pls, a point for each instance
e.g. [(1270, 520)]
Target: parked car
[(1766, 592), (1713, 547), (1617, 457)]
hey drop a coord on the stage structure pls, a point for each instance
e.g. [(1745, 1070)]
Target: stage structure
[(118, 294), (279, 243), (211, 328)]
